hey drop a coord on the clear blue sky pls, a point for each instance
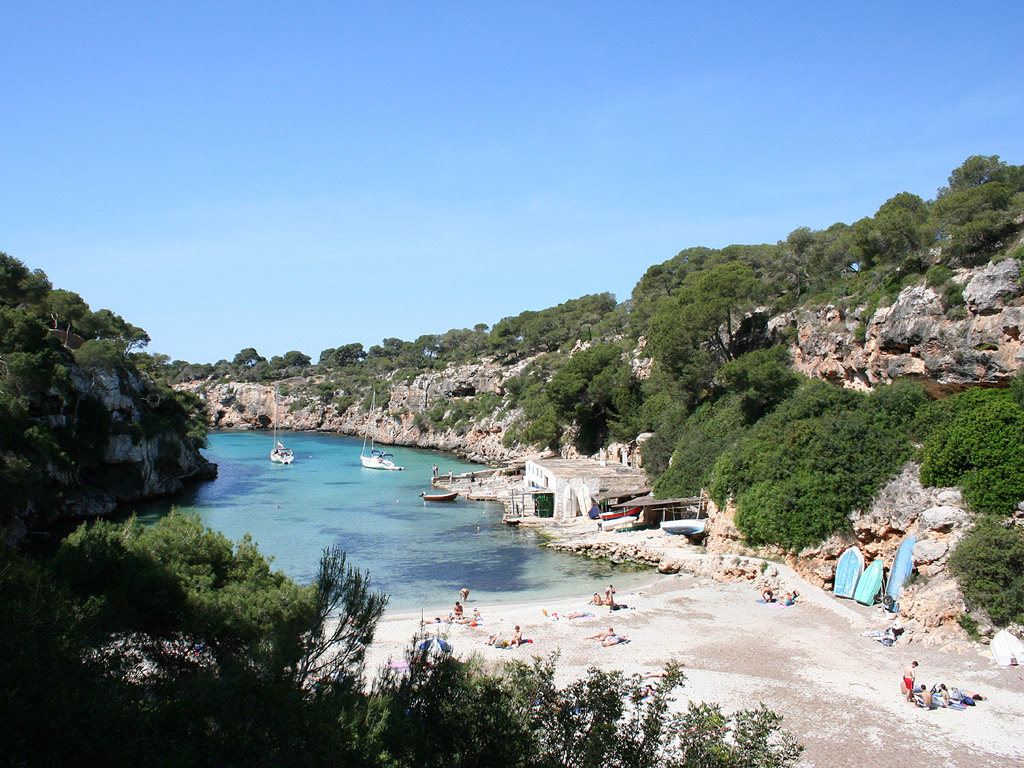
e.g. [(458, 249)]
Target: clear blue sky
[(304, 175)]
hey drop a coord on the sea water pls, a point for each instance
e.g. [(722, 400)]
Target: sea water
[(420, 553)]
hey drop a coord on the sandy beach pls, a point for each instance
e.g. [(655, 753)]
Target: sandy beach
[(838, 690)]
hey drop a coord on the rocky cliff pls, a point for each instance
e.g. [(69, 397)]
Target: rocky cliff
[(919, 336), (126, 450), (248, 405)]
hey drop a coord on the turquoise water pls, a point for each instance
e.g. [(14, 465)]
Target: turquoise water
[(420, 553)]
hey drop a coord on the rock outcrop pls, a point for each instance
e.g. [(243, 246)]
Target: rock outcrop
[(129, 462), (918, 336)]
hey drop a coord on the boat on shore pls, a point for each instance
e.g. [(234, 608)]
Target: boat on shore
[(440, 496), (848, 571), (617, 514), (690, 527)]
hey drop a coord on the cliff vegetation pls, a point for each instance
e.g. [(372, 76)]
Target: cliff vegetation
[(81, 425)]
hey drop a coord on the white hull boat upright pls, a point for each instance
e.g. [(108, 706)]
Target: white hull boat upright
[(279, 454), (376, 459)]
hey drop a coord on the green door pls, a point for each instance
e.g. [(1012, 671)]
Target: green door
[(545, 503)]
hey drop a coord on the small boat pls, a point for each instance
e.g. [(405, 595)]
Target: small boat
[(440, 496), (615, 514), (848, 571), (279, 454), (899, 572), (869, 584), (377, 459), (696, 520), (689, 527), (620, 524)]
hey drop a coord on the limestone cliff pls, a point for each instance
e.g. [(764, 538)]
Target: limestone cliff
[(249, 405), (129, 448), (918, 336)]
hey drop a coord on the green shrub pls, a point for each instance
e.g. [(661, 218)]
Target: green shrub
[(938, 275), (712, 429), (981, 447), (989, 564), (823, 453)]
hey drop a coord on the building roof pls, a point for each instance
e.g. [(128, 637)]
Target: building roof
[(589, 468), (622, 493)]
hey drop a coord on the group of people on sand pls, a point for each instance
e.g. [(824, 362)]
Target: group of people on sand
[(608, 638), (608, 599), (936, 696), (788, 598), (515, 642)]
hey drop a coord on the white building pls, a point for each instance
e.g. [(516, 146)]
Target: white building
[(573, 483)]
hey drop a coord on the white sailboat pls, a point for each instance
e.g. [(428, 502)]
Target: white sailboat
[(279, 454), (376, 459)]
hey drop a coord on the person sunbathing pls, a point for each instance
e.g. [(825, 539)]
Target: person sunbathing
[(458, 610), (768, 595), (596, 599), (614, 640), (517, 637), (602, 635)]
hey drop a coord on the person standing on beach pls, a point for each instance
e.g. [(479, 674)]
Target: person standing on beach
[(609, 595), (464, 594), (908, 680)]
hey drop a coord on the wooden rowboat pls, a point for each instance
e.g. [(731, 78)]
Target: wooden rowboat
[(616, 514), (439, 496)]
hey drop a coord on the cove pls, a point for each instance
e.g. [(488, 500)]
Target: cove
[(420, 553)]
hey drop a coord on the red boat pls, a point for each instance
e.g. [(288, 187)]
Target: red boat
[(439, 496), (617, 513)]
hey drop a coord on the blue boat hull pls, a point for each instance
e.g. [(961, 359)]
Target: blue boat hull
[(848, 571), (902, 565)]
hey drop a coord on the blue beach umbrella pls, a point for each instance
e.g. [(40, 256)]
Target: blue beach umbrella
[(434, 643)]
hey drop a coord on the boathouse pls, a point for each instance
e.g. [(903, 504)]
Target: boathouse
[(566, 488)]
